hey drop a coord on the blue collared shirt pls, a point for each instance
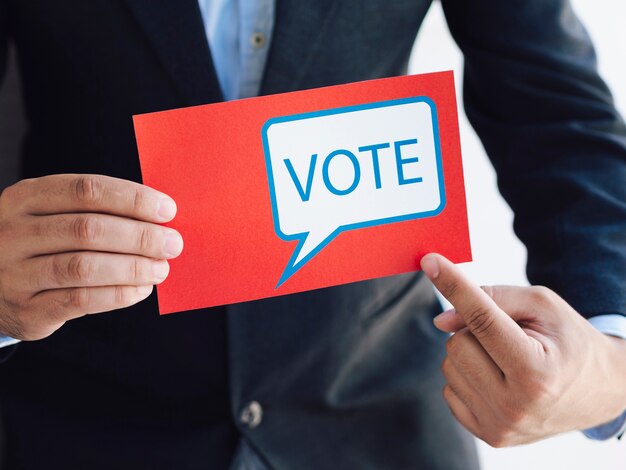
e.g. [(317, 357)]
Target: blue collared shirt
[(239, 33)]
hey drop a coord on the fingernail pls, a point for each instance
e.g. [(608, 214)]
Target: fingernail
[(173, 245), (438, 318), (447, 315), (430, 266), (160, 271), (167, 209), (144, 290)]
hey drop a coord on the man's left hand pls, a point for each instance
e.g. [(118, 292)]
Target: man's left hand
[(523, 365)]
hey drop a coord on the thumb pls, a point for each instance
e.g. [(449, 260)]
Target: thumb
[(498, 333)]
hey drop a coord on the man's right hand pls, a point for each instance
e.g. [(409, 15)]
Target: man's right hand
[(72, 245)]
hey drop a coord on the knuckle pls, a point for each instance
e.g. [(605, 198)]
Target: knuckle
[(466, 401), (543, 296), (5, 193), (13, 196), (539, 387), (139, 270), (521, 374), (80, 267), (16, 192), (78, 298), (544, 291), (87, 189), (513, 413), (145, 239), (497, 440), (139, 200), (472, 368), (448, 288), (120, 295), (9, 194), (479, 321), (451, 394), (87, 229), (135, 269)]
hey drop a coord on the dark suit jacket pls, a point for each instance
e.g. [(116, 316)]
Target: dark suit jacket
[(348, 377)]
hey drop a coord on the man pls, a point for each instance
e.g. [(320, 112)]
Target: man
[(345, 377)]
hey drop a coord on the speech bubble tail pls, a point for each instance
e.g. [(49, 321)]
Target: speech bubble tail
[(284, 276), (309, 245)]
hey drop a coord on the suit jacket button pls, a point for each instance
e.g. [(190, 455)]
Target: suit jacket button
[(252, 415)]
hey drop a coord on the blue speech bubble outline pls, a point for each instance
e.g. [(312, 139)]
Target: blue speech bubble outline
[(292, 268)]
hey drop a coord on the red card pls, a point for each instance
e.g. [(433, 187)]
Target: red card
[(310, 189)]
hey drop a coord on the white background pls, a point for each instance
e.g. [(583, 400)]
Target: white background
[(500, 257)]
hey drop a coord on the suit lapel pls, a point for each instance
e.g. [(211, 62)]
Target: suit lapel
[(298, 28), (176, 32)]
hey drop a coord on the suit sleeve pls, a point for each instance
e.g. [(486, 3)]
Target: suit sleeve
[(10, 122), (4, 37), (7, 351), (549, 125)]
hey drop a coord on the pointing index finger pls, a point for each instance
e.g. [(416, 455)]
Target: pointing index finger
[(499, 335), (59, 194)]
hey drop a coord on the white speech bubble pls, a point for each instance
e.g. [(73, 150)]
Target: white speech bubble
[(347, 168)]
